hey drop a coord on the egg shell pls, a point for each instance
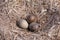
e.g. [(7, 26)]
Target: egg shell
[(34, 27), (31, 18), (23, 23)]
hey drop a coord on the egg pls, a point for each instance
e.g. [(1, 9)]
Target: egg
[(23, 23), (34, 27), (31, 18)]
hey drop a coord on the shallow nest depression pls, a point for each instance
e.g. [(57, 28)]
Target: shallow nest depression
[(47, 11)]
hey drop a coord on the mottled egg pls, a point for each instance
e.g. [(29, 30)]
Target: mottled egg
[(31, 18), (34, 27), (22, 23)]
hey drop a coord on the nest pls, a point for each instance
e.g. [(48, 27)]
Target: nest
[(47, 12)]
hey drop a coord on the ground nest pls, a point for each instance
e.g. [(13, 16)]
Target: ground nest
[(46, 11)]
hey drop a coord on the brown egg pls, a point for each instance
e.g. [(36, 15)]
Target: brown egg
[(34, 27), (31, 18)]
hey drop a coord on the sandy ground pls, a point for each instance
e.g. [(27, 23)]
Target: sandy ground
[(47, 11)]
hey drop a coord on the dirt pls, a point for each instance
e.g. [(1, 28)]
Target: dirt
[(47, 11)]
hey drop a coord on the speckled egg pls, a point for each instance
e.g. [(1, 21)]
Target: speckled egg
[(23, 23), (34, 27), (31, 18)]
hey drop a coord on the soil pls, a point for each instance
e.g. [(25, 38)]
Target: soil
[(46, 11)]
